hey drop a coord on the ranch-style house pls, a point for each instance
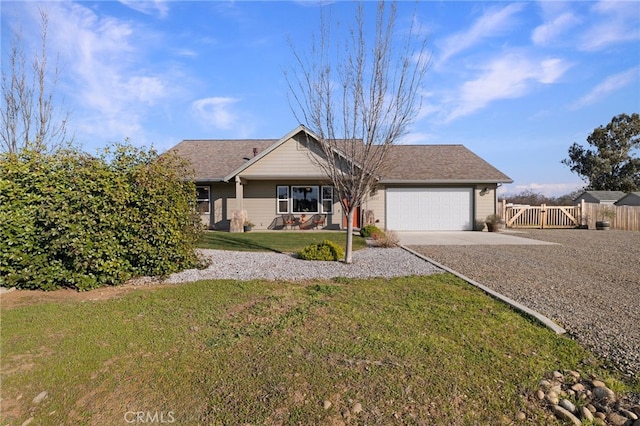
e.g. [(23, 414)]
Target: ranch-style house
[(426, 187)]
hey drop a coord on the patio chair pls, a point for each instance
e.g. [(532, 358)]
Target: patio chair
[(314, 221), (289, 220), (319, 220)]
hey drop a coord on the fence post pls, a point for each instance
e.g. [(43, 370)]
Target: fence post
[(543, 215), (583, 219)]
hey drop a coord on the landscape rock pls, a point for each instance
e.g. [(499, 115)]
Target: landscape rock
[(578, 387), (603, 394), (568, 405), (357, 408), (586, 414), (616, 419), (628, 414), (563, 414), (326, 404), (599, 405), (40, 397)]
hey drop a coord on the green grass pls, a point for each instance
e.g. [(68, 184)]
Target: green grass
[(411, 350), (280, 242)]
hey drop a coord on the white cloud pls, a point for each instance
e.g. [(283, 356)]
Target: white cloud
[(615, 22), (492, 23), (415, 138), (510, 76), (551, 30), (148, 7), (215, 111), (608, 86), (104, 64)]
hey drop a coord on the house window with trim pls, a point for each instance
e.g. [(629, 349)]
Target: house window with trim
[(327, 199), (283, 199), (305, 199), (203, 199)]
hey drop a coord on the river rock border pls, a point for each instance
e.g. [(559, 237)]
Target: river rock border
[(575, 399)]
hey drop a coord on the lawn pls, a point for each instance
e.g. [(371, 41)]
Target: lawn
[(280, 242), (413, 350)]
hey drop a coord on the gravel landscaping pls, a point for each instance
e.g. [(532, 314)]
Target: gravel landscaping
[(589, 283), (371, 262)]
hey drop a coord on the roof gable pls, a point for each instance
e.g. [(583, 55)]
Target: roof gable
[(632, 198)]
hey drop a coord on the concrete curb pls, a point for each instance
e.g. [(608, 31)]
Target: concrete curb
[(520, 307)]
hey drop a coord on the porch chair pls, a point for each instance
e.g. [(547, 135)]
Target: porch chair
[(319, 220), (289, 220)]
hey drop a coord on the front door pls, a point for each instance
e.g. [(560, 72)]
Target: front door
[(356, 217)]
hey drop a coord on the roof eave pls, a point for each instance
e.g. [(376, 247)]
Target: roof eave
[(444, 181)]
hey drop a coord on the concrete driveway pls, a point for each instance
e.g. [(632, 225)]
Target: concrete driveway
[(464, 238)]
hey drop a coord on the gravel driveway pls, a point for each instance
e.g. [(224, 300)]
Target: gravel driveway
[(589, 284)]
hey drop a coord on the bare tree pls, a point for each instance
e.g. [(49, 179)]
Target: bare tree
[(359, 96), (29, 117)]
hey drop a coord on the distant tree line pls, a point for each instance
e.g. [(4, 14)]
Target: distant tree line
[(532, 198)]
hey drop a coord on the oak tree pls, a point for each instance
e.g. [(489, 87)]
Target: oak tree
[(613, 162)]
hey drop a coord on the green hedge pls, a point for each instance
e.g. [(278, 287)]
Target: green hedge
[(69, 219)]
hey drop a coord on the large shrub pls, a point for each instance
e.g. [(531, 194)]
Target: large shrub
[(69, 219)]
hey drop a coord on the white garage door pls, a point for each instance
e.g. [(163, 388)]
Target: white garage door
[(430, 209)]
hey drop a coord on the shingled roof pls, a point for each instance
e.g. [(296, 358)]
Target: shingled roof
[(215, 160), (439, 164), (212, 160)]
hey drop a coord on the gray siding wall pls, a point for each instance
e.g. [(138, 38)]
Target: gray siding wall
[(260, 202), (485, 204), (292, 158), (376, 204)]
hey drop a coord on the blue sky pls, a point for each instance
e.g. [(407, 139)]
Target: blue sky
[(515, 82)]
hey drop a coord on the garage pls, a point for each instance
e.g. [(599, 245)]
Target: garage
[(429, 209)]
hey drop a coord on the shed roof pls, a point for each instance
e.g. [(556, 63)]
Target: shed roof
[(602, 195)]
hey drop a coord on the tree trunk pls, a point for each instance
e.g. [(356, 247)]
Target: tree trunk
[(348, 252)]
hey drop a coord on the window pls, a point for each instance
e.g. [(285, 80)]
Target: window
[(304, 199), (202, 199), (283, 199), (327, 199)]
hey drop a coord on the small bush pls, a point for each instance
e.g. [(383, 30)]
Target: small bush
[(370, 231), (327, 250)]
